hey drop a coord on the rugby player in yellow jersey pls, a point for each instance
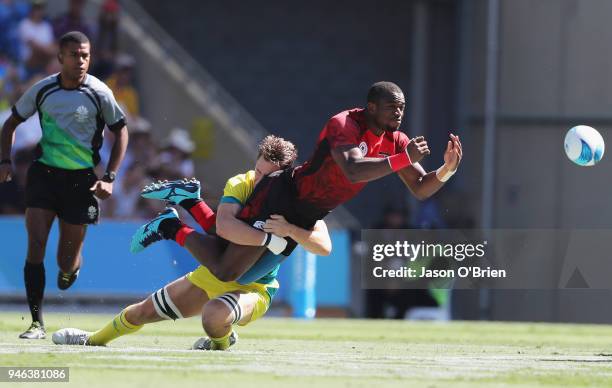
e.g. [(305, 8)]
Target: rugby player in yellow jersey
[(221, 304)]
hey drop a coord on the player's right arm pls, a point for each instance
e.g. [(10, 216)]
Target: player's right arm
[(358, 168), (343, 137), (6, 144), (23, 108)]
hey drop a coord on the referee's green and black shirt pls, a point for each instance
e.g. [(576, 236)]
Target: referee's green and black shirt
[(72, 120)]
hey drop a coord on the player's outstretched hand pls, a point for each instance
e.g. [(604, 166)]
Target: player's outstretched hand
[(417, 148), (278, 225), (6, 173), (102, 189), (453, 153)]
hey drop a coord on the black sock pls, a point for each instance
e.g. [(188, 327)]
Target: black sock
[(189, 203), (169, 227), (34, 276)]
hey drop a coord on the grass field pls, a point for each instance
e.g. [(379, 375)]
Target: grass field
[(284, 352)]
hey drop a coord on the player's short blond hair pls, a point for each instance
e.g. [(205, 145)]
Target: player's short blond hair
[(277, 150)]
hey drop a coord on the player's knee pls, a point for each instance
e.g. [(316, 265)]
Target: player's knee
[(216, 314)]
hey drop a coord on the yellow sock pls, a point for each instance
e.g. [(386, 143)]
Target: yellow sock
[(114, 329), (221, 343)]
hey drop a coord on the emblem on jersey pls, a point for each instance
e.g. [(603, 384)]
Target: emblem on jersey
[(364, 148), (275, 173), (81, 114), (259, 225), (92, 212)]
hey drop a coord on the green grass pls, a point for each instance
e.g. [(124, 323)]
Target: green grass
[(290, 353)]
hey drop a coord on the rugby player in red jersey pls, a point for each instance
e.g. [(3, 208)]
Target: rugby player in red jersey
[(355, 146)]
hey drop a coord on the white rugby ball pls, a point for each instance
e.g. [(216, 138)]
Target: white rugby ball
[(584, 145)]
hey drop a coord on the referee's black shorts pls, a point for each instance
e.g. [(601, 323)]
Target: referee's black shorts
[(277, 194), (66, 192)]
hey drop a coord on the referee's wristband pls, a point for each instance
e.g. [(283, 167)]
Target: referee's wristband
[(399, 161), (6, 161)]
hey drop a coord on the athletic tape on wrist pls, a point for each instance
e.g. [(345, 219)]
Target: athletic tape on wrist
[(443, 174), (277, 244), (266, 240)]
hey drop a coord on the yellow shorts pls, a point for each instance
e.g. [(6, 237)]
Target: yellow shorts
[(207, 282)]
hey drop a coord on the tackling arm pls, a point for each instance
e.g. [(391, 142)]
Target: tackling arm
[(316, 240), (237, 231)]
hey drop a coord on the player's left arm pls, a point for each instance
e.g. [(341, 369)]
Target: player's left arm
[(316, 240), (115, 119), (422, 184), (103, 188)]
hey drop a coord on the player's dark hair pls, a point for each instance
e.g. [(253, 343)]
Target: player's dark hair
[(383, 90), (277, 150), (72, 37)]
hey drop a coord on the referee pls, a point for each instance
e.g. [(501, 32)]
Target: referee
[(73, 108)]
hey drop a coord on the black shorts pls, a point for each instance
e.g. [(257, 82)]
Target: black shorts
[(66, 192), (277, 194)]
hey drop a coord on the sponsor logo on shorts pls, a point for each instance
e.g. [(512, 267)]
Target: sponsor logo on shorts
[(92, 212), (364, 148), (81, 114), (259, 225)]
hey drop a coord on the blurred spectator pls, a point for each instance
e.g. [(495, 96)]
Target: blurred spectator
[(72, 20), (11, 14), (9, 82), (126, 193), (394, 216), (107, 39), (428, 216), (12, 194), (37, 41), (141, 148), (397, 301), (29, 132), (121, 83), (176, 155)]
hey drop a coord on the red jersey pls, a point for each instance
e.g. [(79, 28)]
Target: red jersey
[(320, 181)]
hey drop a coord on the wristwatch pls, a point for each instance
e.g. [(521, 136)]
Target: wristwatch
[(109, 176)]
